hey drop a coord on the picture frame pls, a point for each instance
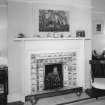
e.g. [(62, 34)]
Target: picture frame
[(98, 27), (80, 33), (53, 20)]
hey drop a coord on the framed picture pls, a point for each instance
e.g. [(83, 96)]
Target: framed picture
[(53, 21), (80, 33), (98, 26)]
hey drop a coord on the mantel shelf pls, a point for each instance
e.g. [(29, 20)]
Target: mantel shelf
[(39, 39)]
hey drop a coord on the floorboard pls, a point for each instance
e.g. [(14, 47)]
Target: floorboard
[(15, 103)]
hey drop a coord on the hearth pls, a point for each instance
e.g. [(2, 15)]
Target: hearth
[(53, 76)]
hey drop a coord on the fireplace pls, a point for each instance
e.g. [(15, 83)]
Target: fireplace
[(36, 53), (62, 64), (53, 76)]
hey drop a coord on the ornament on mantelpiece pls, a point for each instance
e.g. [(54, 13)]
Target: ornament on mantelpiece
[(80, 33), (55, 35), (21, 35), (69, 35), (61, 35), (38, 36), (49, 35)]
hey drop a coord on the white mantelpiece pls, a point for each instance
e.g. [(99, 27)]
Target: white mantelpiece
[(36, 39), (25, 47)]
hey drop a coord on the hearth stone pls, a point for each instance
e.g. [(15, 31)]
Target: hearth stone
[(32, 99)]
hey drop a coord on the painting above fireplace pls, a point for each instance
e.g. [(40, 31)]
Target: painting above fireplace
[(53, 21)]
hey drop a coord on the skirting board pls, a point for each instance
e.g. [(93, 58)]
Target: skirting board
[(15, 97)]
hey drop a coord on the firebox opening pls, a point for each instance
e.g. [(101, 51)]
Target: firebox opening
[(53, 76)]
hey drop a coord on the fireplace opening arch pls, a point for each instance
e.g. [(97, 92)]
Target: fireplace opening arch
[(53, 78)]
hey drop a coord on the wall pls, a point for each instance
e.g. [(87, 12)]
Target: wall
[(3, 30), (98, 14), (23, 18), (19, 21)]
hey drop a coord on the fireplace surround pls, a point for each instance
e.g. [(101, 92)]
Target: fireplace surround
[(38, 65), (33, 54)]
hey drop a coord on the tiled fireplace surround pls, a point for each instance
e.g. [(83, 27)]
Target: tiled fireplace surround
[(38, 62)]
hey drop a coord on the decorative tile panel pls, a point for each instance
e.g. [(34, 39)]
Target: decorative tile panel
[(38, 62)]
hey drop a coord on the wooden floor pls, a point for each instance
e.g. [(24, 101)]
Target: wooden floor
[(15, 103), (94, 102)]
